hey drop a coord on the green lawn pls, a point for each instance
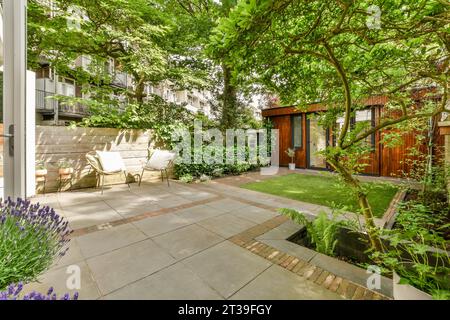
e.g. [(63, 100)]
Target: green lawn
[(323, 190)]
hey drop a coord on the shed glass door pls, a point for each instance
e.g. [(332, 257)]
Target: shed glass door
[(317, 141)]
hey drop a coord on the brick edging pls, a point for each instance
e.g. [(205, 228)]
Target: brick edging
[(343, 287)]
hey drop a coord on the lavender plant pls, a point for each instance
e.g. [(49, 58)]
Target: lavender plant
[(14, 292), (31, 238)]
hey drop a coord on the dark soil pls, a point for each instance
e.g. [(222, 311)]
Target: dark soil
[(351, 246)]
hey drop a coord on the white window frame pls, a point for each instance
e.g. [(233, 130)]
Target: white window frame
[(14, 97)]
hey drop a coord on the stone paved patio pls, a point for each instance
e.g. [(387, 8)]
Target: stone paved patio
[(155, 242)]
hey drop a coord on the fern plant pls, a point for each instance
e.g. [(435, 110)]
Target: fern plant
[(321, 231)]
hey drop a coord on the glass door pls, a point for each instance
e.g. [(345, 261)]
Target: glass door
[(317, 141), (13, 97), (2, 140)]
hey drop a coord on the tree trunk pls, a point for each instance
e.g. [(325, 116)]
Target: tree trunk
[(139, 90), (229, 100), (372, 230)]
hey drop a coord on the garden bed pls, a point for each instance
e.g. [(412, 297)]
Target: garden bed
[(351, 246)]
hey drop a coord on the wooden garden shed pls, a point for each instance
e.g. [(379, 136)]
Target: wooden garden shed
[(300, 130)]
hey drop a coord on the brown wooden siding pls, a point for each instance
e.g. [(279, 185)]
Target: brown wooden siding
[(382, 161), (283, 124)]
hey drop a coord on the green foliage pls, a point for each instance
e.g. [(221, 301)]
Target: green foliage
[(155, 114), (418, 248), (212, 170), (321, 231), (291, 153), (326, 51), (282, 45), (187, 178), (414, 216), (420, 258)]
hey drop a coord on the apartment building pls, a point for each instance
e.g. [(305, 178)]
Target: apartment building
[(50, 84), (51, 111), (196, 101)]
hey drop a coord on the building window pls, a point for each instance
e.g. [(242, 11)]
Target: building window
[(364, 118), (297, 131)]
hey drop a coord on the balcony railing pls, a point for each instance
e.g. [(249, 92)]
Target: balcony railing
[(76, 110), (46, 104), (120, 79)]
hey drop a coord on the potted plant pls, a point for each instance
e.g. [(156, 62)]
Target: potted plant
[(291, 153), (65, 168), (41, 171)]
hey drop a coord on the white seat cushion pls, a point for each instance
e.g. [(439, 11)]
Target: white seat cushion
[(160, 160), (110, 161)]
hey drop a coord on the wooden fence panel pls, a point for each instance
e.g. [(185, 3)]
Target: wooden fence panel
[(56, 143)]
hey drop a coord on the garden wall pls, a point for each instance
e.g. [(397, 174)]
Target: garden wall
[(56, 143)]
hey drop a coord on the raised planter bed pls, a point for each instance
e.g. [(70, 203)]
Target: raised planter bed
[(407, 292), (351, 245)]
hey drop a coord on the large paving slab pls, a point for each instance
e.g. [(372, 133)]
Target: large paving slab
[(226, 268), (277, 283), (186, 241), (155, 226), (90, 214), (100, 242), (254, 214), (133, 207), (226, 225), (175, 282), (227, 204), (78, 197), (196, 195), (281, 232), (172, 201), (199, 213), (118, 268), (63, 281), (71, 257)]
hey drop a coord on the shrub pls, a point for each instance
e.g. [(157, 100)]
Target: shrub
[(14, 292), (187, 178), (31, 237), (420, 258), (214, 169), (321, 231), (418, 249)]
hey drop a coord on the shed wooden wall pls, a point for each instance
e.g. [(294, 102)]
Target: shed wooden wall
[(56, 143), (384, 161)]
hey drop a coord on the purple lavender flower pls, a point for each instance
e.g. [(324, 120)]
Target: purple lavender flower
[(13, 293), (34, 236)]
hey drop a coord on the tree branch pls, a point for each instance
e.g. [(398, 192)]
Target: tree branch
[(348, 96)]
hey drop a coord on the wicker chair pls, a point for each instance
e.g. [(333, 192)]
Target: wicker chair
[(159, 160), (94, 161)]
